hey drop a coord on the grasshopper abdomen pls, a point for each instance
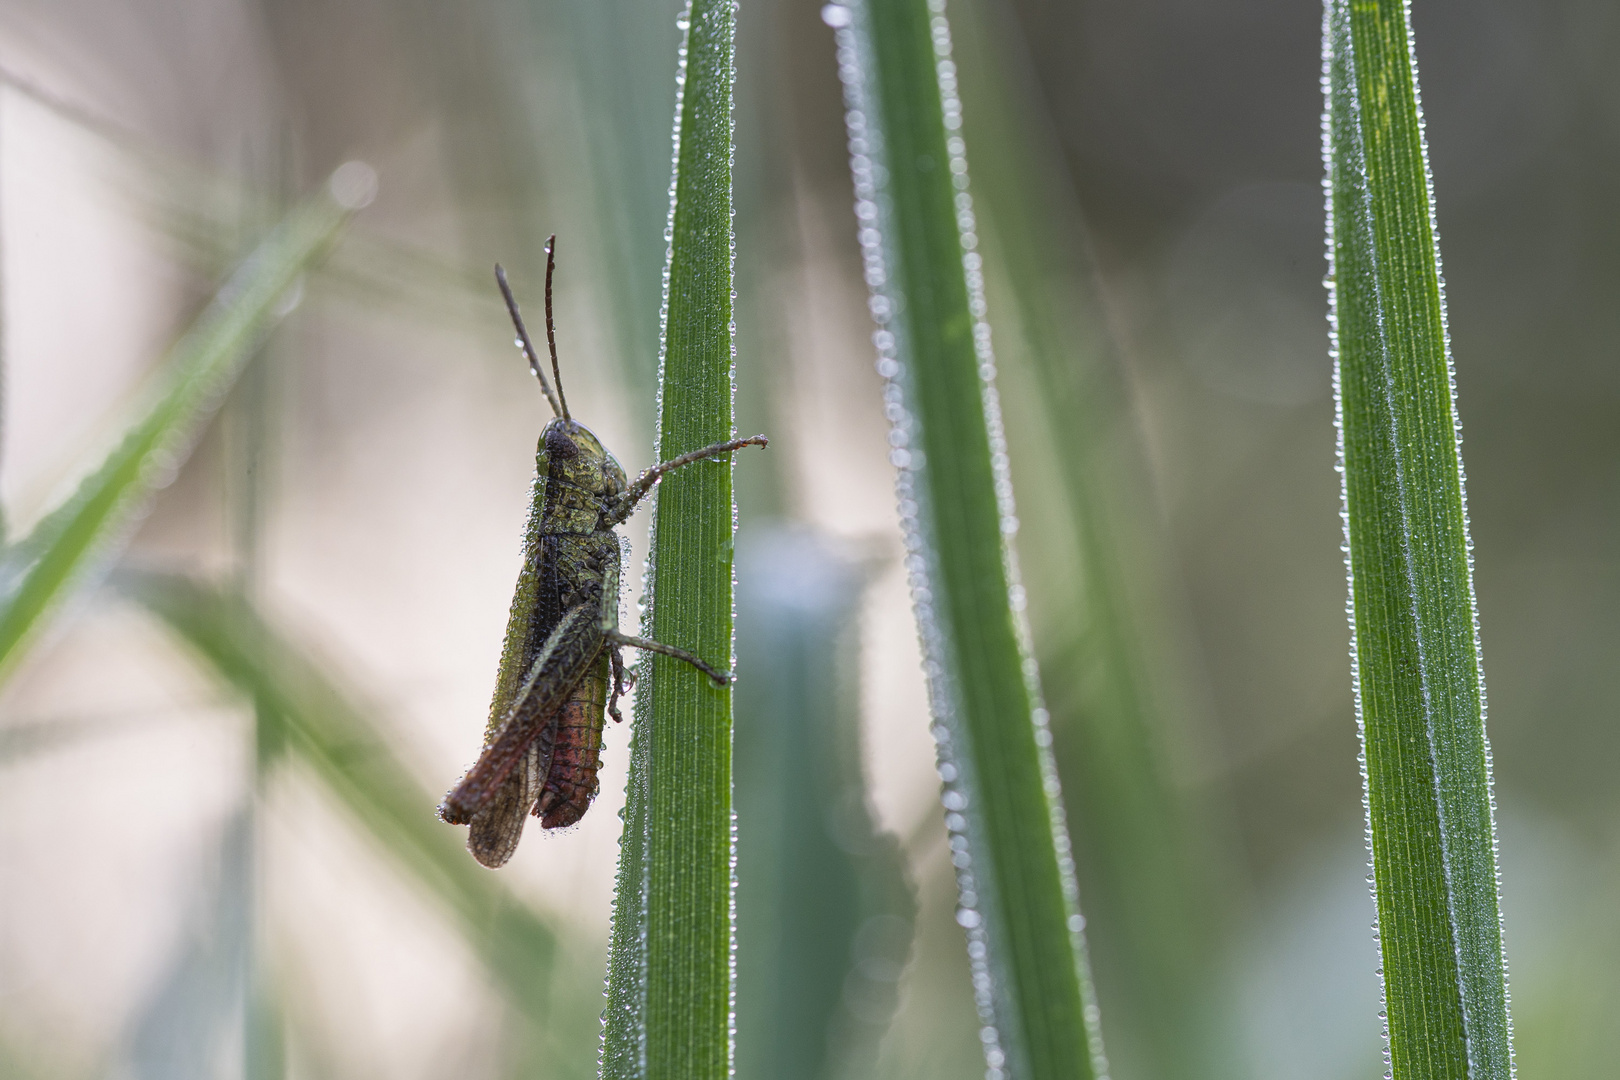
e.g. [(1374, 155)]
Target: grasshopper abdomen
[(572, 782)]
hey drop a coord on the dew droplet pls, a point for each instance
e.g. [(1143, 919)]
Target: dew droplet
[(836, 15)]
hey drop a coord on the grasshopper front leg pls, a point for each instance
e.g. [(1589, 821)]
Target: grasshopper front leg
[(626, 503)]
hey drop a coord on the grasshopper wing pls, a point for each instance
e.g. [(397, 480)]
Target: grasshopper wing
[(498, 826), (503, 785)]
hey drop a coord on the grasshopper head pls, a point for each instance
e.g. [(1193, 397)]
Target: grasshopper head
[(572, 447)]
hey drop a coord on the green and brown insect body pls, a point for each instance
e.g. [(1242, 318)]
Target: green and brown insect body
[(561, 666), (565, 603)]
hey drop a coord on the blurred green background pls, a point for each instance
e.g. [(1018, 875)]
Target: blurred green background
[(181, 898)]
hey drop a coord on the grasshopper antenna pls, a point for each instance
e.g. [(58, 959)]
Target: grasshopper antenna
[(523, 335), (551, 327)]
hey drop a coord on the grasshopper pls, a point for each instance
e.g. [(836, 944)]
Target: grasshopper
[(561, 665)]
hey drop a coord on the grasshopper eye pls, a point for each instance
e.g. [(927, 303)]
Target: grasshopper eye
[(559, 445)]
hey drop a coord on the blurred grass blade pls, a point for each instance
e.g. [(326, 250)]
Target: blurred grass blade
[(1018, 900), (1419, 689), (319, 726), (824, 909), (19, 742), (1148, 850), (84, 532), (192, 1013), (623, 56), (669, 964)]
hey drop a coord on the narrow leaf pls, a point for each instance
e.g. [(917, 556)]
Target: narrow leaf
[(344, 750), (1015, 874), (1150, 861), (669, 967), (1419, 689), (84, 533)]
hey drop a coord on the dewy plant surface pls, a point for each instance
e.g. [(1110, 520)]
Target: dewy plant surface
[(1419, 691), (1018, 902), (670, 962)]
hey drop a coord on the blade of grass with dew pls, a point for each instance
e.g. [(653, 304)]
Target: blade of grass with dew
[(670, 980), (1018, 900), (1415, 643), (1149, 851), (315, 722), (82, 534)]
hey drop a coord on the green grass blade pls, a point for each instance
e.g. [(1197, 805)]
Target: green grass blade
[(1149, 852), (83, 533), (825, 907), (1149, 859), (669, 966), (1018, 900), (319, 726), (1419, 689)]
